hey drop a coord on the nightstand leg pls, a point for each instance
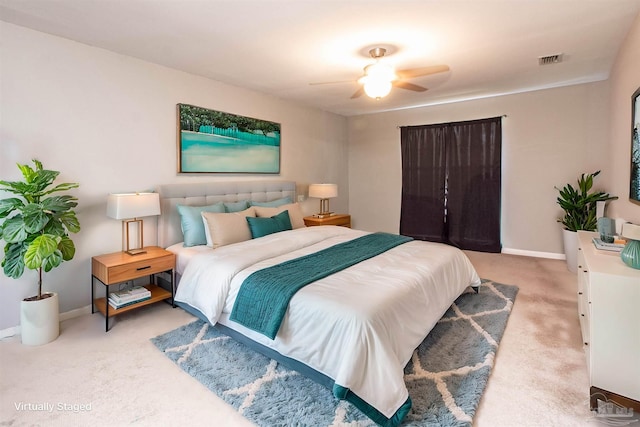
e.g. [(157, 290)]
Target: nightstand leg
[(93, 306), (173, 289), (106, 308)]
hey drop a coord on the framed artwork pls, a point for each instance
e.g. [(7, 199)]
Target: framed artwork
[(634, 191), (216, 142)]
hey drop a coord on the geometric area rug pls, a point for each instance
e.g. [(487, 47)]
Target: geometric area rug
[(445, 377)]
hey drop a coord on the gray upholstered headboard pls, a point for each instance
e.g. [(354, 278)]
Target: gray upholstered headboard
[(207, 193)]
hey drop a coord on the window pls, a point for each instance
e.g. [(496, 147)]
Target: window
[(451, 183)]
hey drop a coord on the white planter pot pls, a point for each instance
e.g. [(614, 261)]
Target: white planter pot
[(39, 320), (570, 240)]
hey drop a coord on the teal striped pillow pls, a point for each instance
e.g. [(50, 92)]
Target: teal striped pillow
[(264, 226)]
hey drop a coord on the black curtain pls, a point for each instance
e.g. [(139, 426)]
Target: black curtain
[(423, 183), (451, 186)]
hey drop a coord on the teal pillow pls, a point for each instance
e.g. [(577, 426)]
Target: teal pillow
[(263, 226), (236, 206), (273, 203), (192, 225)]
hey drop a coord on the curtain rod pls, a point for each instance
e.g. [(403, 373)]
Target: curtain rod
[(399, 126)]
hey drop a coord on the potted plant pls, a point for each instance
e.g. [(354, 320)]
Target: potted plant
[(579, 206), (36, 231)]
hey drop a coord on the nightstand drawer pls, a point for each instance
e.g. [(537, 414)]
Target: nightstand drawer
[(342, 220), (121, 267), (140, 268)]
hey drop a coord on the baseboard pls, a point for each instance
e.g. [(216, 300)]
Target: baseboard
[(535, 254), (9, 332), (15, 330), (75, 313)]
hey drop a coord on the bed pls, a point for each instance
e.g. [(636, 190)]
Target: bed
[(352, 331)]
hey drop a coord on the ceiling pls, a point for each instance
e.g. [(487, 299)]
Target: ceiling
[(278, 47)]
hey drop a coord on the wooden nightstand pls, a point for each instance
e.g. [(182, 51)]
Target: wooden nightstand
[(337, 219), (119, 267)]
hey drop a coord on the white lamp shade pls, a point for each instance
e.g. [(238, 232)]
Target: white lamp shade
[(323, 191), (133, 205), (631, 231)]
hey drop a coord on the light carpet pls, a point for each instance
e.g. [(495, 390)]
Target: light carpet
[(445, 378)]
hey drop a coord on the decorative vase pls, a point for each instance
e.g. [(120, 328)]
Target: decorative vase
[(39, 320), (607, 229), (630, 254), (570, 241)]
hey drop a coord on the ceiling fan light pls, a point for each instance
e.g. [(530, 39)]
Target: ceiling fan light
[(377, 88), (377, 80), (380, 71)]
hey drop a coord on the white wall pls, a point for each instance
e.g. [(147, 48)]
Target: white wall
[(624, 81), (108, 122), (549, 138)]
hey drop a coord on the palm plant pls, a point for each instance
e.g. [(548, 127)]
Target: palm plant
[(579, 204), (36, 227)]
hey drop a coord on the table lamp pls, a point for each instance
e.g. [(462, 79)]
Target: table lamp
[(130, 207), (324, 192)]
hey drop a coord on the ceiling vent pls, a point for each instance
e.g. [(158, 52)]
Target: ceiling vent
[(550, 59)]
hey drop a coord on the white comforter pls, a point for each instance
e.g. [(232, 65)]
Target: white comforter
[(359, 326)]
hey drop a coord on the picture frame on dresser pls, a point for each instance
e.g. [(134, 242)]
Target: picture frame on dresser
[(634, 186), (210, 141)]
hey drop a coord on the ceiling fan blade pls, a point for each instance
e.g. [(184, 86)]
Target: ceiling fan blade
[(409, 86), (423, 71), (331, 83), (358, 93)]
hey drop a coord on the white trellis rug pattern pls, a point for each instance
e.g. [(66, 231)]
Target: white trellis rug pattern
[(445, 377)]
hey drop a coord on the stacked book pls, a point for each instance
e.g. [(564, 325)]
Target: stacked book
[(127, 297), (613, 247)]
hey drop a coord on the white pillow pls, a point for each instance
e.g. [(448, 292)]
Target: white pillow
[(227, 228), (295, 213)]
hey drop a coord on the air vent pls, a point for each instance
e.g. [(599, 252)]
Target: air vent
[(550, 59)]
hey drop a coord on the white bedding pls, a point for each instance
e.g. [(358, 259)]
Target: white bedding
[(185, 253), (358, 326)]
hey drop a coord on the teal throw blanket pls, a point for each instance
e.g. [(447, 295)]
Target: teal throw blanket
[(264, 296)]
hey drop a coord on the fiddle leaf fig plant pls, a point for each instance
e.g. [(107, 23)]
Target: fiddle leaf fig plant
[(579, 204), (36, 225)]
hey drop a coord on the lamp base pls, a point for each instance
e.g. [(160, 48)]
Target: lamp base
[(323, 215), (135, 251), (125, 237)]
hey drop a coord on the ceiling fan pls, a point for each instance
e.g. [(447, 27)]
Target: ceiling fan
[(379, 77)]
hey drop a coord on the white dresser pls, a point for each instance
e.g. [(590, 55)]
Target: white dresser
[(609, 310)]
